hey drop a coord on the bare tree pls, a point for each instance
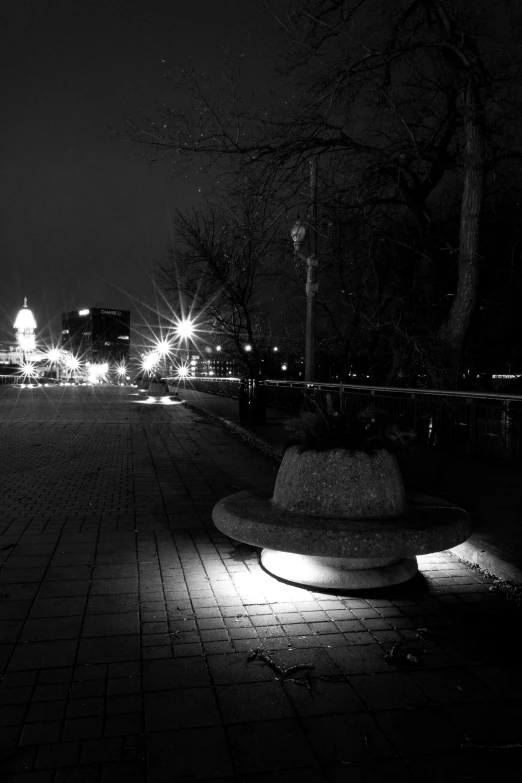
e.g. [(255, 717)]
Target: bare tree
[(222, 268), (406, 100)]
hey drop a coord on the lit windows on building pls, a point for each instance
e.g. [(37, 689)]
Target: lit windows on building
[(97, 334)]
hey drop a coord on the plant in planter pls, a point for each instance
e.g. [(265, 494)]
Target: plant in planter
[(340, 466), (338, 517)]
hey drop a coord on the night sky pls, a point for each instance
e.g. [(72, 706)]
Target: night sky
[(84, 219)]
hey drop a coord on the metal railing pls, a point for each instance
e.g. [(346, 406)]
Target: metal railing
[(473, 423), (10, 379)]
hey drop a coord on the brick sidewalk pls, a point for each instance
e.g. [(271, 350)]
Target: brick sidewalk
[(128, 624)]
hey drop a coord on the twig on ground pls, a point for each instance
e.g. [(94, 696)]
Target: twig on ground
[(283, 674)]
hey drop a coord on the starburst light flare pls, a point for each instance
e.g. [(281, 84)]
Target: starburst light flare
[(185, 328), (150, 361), (182, 371)]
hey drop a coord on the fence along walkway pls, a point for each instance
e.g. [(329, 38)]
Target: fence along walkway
[(471, 423)]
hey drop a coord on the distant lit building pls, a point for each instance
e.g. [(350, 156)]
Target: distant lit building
[(25, 326), (97, 335), (23, 348), (203, 366)]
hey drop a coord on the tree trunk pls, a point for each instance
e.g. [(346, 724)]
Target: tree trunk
[(453, 330)]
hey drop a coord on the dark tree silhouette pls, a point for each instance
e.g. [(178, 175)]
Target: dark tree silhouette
[(407, 104)]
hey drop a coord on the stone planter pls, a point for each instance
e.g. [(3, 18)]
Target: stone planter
[(340, 483), (340, 520)]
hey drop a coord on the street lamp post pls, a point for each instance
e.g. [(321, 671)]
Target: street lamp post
[(185, 329), (54, 356), (298, 233)]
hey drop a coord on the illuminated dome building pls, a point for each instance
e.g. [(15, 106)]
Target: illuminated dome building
[(25, 326)]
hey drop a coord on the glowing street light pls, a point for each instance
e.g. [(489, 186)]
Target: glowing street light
[(121, 371), (73, 364), (185, 328), (150, 361), (163, 347), (28, 370), (248, 347), (54, 355), (182, 371)]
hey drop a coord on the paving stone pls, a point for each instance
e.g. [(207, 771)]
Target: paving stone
[(179, 709), (14, 610), (124, 669), (113, 586), (178, 754), (41, 733), (10, 630), (235, 668), (62, 606), (81, 775), (124, 724), (88, 689), (87, 672), (111, 624), (267, 745), (253, 701), (124, 772), (124, 703), (111, 604), (372, 772), (469, 764), (479, 723), (83, 728), (109, 649), (452, 685), (10, 575), (388, 690), (17, 695), (52, 692), (173, 674), (359, 637), (346, 738), (79, 708), (419, 731), (123, 686), (12, 715), (357, 659), (32, 777), (58, 589), (297, 775), (324, 697), (44, 711), (62, 754), (101, 750), (41, 655), (354, 722), (52, 628), (305, 641)]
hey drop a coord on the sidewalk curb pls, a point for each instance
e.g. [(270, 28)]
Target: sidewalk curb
[(476, 554), (245, 435)]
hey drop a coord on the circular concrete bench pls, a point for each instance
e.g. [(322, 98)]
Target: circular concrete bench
[(339, 552)]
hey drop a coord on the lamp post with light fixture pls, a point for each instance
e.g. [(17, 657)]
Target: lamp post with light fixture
[(54, 355), (298, 233), (184, 330)]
